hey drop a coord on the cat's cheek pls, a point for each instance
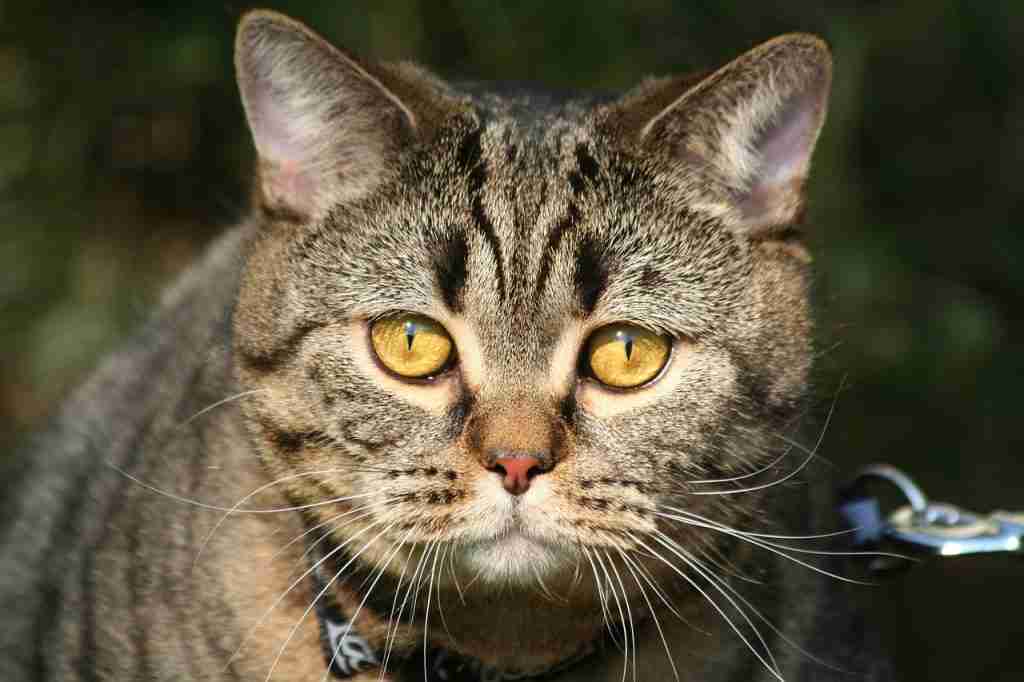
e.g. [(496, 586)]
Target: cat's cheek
[(492, 505), (435, 396)]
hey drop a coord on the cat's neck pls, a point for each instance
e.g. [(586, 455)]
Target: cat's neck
[(508, 627)]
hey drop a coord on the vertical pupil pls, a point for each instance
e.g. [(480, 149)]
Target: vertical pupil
[(627, 340), (410, 333)]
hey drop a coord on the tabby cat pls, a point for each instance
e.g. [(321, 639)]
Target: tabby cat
[(490, 385)]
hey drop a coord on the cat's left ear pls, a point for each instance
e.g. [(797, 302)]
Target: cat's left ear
[(328, 127), (737, 143)]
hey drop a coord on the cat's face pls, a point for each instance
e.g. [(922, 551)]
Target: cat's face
[(515, 329)]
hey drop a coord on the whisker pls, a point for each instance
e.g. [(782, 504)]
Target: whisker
[(813, 536), (714, 605), (455, 577), (312, 546), (236, 507), (252, 629), (419, 582), (413, 585), (577, 575), (691, 519), (631, 566), (649, 579), (764, 486), (322, 592), (810, 455), (426, 615), (622, 614), (233, 510), (713, 555), (545, 592), (697, 566), (224, 401), (355, 510), (448, 551), (775, 629), (476, 576), (602, 595), (766, 468), (629, 615), (758, 543), (825, 351), (351, 621), (391, 616)]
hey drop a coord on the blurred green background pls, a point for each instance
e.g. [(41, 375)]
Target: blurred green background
[(123, 151)]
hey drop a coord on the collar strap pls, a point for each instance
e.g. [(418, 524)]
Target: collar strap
[(347, 653)]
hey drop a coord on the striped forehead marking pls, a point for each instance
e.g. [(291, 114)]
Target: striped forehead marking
[(495, 158)]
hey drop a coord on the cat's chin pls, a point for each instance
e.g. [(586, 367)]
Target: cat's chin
[(515, 558), (510, 544)]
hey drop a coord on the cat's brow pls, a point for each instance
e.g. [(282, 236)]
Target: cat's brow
[(591, 275), (580, 179), (472, 162), (450, 264)]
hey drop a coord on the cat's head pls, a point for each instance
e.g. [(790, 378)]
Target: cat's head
[(517, 327)]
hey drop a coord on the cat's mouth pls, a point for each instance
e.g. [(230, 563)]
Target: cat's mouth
[(515, 555), (516, 539)]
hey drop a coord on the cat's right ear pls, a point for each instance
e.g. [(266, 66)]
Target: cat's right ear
[(737, 143), (327, 127)]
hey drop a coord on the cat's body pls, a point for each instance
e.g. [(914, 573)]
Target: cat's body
[(521, 227)]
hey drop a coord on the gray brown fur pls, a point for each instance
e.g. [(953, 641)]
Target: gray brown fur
[(514, 217)]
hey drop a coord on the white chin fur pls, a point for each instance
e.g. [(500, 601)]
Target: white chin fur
[(505, 548), (513, 558)]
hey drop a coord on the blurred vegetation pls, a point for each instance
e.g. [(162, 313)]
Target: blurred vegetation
[(124, 152)]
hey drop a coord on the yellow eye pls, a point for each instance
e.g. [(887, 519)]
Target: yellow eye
[(411, 345), (626, 356)]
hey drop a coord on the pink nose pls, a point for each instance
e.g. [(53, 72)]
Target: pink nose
[(516, 472)]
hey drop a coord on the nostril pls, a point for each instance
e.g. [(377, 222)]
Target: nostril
[(517, 472)]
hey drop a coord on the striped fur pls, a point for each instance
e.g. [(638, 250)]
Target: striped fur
[(522, 222)]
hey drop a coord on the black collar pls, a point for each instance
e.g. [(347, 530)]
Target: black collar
[(347, 653)]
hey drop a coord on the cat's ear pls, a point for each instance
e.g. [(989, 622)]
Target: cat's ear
[(327, 127), (738, 142)]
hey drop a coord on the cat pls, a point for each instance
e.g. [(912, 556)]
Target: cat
[(490, 385)]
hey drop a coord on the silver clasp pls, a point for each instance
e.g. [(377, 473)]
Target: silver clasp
[(929, 528)]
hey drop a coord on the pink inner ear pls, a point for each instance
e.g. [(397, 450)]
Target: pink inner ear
[(285, 182), (270, 121), (281, 146), (784, 152), (786, 145)]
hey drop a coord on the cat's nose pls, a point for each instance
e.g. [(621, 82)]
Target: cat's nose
[(517, 470)]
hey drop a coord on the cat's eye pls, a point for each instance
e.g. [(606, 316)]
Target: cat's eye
[(412, 346), (626, 356)]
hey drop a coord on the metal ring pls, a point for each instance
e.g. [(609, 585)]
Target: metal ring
[(915, 496)]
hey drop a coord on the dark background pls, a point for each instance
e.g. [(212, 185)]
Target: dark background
[(123, 151)]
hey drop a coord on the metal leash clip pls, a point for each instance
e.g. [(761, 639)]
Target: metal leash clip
[(922, 528)]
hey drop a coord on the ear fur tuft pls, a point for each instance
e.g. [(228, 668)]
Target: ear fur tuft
[(325, 125), (738, 144)]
